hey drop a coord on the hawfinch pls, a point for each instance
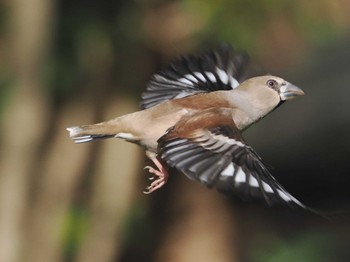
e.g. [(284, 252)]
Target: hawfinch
[(192, 118)]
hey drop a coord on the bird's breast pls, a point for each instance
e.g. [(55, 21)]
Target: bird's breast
[(155, 124)]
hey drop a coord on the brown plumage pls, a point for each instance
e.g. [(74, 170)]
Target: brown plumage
[(192, 118)]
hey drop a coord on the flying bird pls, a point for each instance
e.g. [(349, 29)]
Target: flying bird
[(192, 117)]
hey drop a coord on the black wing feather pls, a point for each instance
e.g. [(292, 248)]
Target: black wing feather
[(218, 157), (220, 69)]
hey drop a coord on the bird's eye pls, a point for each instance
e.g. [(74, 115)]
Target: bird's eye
[(271, 83)]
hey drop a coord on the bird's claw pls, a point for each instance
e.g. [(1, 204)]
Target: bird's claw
[(155, 185), (148, 168), (158, 183)]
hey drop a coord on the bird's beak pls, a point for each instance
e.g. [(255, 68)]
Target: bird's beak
[(289, 91)]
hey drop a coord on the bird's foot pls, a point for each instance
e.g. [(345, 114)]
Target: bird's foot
[(161, 174)]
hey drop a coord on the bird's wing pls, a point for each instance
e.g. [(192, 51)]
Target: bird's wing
[(208, 147), (221, 69)]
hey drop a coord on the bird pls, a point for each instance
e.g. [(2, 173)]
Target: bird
[(192, 117)]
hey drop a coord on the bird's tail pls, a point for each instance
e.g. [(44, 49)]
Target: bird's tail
[(81, 134), (87, 133)]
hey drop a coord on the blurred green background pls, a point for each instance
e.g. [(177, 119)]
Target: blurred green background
[(66, 63)]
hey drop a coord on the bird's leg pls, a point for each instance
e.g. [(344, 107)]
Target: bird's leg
[(161, 172)]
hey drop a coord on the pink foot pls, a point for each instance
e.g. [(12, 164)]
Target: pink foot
[(161, 173)]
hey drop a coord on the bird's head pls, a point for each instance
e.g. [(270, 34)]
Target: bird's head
[(268, 91)]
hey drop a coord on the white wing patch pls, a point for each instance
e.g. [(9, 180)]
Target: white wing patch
[(240, 176), (283, 195), (267, 187), (228, 171), (253, 182), (211, 77), (200, 76), (234, 82), (226, 78), (191, 78), (185, 81), (222, 75)]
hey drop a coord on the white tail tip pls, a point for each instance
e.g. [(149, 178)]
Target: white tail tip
[(78, 134), (74, 131), (82, 139)]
